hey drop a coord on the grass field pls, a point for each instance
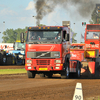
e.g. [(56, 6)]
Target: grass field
[(12, 71)]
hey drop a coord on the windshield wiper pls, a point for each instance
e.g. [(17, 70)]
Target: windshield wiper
[(35, 42)]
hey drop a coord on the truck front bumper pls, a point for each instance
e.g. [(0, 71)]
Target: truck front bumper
[(44, 65)]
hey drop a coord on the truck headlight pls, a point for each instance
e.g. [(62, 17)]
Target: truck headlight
[(57, 61), (56, 67), (22, 52), (29, 68), (57, 64), (28, 61)]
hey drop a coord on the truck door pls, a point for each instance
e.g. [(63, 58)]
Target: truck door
[(65, 44)]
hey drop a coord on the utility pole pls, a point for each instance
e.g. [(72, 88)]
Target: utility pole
[(4, 25), (34, 19), (4, 30)]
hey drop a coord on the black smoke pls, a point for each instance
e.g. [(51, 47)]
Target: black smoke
[(84, 8)]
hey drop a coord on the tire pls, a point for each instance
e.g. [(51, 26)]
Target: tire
[(96, 70), (49, 75), (23, 62), (65, 74), (78, 70), (4, 61), (42, 75), (31, 74), (16, 62), (13, 60)]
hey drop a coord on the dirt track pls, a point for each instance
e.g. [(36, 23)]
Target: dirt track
[(19, 87), (12, 67)]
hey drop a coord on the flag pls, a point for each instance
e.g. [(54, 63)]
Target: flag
[(71, 35), (70, 40), (82, 37)]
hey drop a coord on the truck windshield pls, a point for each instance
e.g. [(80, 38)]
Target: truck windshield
[(19, 46), (92, 35), (42, 36)]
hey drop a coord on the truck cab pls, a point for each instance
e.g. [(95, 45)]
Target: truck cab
[(92, 36), (47, 51)]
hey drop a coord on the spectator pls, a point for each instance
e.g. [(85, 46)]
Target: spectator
[(34, 36), (95, 36), (58, 36)]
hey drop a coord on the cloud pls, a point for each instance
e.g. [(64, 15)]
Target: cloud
[(7, 12), (30, 6), (3, 6)]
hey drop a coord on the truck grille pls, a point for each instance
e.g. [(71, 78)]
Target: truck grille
[(42, 66), (43, 62), (53, 54)]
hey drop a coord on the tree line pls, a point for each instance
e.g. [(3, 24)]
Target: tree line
[(11, 35)]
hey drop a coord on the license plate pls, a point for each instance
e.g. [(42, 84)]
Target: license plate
[(43, 68)]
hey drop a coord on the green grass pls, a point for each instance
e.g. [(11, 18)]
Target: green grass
[(93, 98), (12, 71)]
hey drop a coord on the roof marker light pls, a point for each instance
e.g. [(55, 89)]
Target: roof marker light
[(43, 27), (48, 27), (39, 27)]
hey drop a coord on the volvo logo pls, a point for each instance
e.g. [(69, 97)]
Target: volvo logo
[(43, 54)]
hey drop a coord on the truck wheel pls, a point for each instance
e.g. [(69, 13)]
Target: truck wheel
[(16, 62), (65, 74), (23, 62), (78, 71), (49, 75), (31, 74), (96, 70), (42, 75)]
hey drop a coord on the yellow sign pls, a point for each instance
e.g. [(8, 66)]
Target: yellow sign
[(90, 53), (43, 68), (98, 10)]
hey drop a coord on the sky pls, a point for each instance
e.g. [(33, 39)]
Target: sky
[(18, 14)]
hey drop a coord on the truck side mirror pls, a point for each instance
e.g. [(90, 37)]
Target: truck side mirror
[(14, 45), (22, 37), (67, 37)]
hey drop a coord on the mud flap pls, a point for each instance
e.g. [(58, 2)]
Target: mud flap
[(94, 69)]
